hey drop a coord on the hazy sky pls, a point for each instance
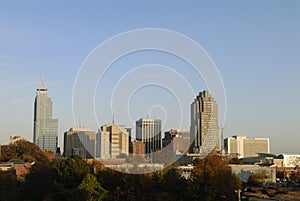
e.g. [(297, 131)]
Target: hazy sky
[(254, 44)]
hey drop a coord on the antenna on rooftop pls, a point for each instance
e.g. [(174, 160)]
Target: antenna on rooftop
[(222, 137), (113, 117)]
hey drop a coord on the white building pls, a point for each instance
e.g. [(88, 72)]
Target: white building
[(291, 160), (246, 147)]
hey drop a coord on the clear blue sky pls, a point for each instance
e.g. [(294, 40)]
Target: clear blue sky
[(255, 45)]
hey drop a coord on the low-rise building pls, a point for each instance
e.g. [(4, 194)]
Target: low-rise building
[(243, 172)]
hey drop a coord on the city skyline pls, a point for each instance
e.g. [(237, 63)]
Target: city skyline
[(254, 45)]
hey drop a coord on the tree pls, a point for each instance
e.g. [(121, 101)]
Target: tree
[(25, 151), (212, 180), (39, 183), (92, 189), (257, 179), (8, 186), (174, 185), (70, 173)]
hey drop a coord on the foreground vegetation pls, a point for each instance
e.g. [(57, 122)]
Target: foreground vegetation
[(76, 179)]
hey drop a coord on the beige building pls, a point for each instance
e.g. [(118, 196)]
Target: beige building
[(246, 147), (204, 124), (80, 141), (114, 141)]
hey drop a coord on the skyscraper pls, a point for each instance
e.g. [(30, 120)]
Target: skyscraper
[(45, 128), (204, 124), (149, 132), (114, 141)]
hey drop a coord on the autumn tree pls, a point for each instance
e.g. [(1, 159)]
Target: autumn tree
[(212, 180), (25, 151)]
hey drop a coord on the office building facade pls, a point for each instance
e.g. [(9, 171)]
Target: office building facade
[(45, 127), (204, 130), (149, 132), (246, 147), (114, 141), (81, 142), (178, 141), (137, 147)]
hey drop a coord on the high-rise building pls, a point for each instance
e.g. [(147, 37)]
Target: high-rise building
[(149, 132), (114, 141), (178, 141), (81, 142), (204, 124), (246, 147), (45, 128)]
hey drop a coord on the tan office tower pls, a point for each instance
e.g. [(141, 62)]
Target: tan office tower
[(204, 124), (246, 147), (114, 141), (149, 132)]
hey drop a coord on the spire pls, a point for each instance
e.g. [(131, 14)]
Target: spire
[(113, 116), (42, 83), (42, 86)]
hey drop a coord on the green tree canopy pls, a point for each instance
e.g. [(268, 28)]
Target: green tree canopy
[(92, 189)]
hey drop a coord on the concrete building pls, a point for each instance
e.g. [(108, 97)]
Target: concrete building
[(149, 132), (243, 172), (45, 127), (204, 128), (14, 139), (291, 160), (137, 148), (246, 147), (80, 141), (114, 141), (178, 141)]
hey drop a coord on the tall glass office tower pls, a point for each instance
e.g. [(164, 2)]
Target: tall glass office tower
[(45, 128), (204, 129)]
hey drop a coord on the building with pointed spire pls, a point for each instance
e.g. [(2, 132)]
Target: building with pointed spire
[(45, 127)]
